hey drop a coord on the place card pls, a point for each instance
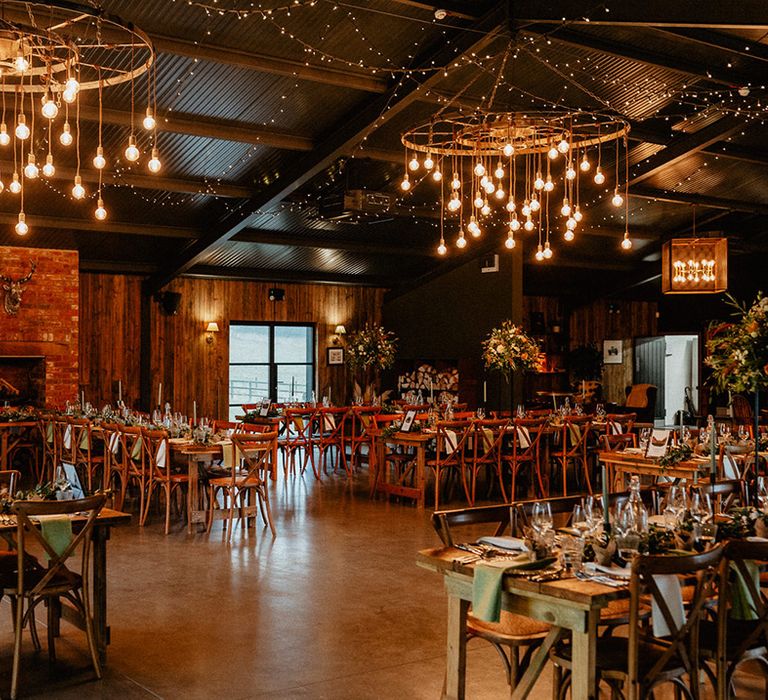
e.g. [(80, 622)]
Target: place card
[(408, 421), (658, 443)]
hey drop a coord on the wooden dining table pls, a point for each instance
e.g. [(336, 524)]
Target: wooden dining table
[(567, 604), (106, 520), (11, 434), (626, 462), (379, 475), (197, 457)]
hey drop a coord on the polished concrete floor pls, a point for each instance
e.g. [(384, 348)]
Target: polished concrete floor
[(334, 607)]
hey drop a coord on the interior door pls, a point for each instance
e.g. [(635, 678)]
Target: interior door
[(650, 354)]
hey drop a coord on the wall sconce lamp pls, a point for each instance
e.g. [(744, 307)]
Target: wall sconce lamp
[(212, 328), (338, 332)]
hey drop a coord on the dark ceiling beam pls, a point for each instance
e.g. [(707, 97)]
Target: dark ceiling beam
[(117, 267), (747, 14), (702, 200), (126, 178), (206, 127), (350, 130), (106, 227), (358, 246), (681, 147), (277, 276), (461, 10), (269, 64), (718, 40), (645, 56)]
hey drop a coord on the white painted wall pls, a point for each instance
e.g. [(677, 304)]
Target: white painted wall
[(680, 370)]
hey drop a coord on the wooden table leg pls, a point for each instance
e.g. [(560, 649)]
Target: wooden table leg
[(584, 674), (421, 477), (456, 648), (4, 449), (100, 627), (193, 495)]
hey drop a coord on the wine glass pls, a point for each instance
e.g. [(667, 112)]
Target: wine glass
[(674, 505), (645, 436), (742, 432), (762, 493), (600, 411), (520, 411), (579, 519), (541, 517), (701, 507), (480, 413), (593, 508)]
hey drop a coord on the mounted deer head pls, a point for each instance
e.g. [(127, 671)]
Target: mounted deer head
[(14, 289)]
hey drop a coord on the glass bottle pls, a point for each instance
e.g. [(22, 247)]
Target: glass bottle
[(633, 515)]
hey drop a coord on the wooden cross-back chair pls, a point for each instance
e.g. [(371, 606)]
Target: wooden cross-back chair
[(573, 449), (723, 494), (633, 666), (298, 437), (485, 453), (526, 453), (62, 441), (361, 422), (450, 454), (10, 479), (250, 466), (160, 475), (34, 584), (618, 433), (47, 428), (731, 641), (331, 427), (514, 634), (131, 469), (398, 462), (85, 456)]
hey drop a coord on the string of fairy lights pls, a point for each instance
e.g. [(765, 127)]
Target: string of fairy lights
[(582, 75)]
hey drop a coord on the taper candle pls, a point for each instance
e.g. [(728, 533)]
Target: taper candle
[(606, 514)]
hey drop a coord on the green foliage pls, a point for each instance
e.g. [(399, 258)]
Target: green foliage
[(371, 348), (509, 348)]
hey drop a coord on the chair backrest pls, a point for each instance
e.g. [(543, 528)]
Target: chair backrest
[(575, 432), (488, 438), (526, 436), (27, 531), (331, 422), (130, 444), (681, 644), (157, 458), (381, 420), (299, 422), (256, 450), (724, 494), (742, 408), (222, 426), (452, 438), (740, 579), (9, 482), (446, 522), (649, 497), (619, 423)]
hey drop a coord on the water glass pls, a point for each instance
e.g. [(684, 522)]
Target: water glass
[(541, 518), (481, 413), (572, 553), (520, 411), (742, 433)]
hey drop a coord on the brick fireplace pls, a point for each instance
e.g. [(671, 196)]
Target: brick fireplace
[(39, 346)]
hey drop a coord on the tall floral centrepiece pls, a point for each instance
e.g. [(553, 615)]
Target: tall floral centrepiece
[(509, 348), (370, 350), (737, 352)]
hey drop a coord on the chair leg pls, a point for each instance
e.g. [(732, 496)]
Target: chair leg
[(264, 495), (17, 648), (51, 628)]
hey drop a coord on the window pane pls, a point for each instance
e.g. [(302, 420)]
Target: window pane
[(248, 343), (294, 382), (293, 344), (248, 383)]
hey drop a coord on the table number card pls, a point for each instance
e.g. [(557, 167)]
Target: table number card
[(658, 443), (264, 409), (408, 421)]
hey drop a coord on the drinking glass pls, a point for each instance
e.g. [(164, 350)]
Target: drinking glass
[(674, 506), (541, 517), (600, 411), (579, 519), (520, 411), (742, 433), (572, 553), (593, 508), (481, 413), (762, 493), (701, 507), (645, 436)]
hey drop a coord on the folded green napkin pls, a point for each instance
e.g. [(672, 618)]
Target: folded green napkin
[(57, 532), (49, 432), (486, 586), (136, 451), (742, 605)]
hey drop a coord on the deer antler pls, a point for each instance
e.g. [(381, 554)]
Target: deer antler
[(26, 279)]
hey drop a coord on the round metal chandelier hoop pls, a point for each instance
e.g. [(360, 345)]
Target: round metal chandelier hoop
[(527, 132), (46, 34)]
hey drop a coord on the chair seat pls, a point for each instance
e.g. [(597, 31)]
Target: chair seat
[(736, 632), (240, 481), (510, 627), (613, 652)]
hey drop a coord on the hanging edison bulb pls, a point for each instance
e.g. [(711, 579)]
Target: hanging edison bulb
[(428, 162), (50, 109), (20, 63), (570, 224), (472, 227), (154, 164), (538, 183), (2, 185), (565, 210), (478, 200), (461, 242), (101, 212), (526, 210), (508, 149), (413, 164), (514, 224), (585, 165), (22, 130), (455, 182), (563, 146), (30, 170), (577, 214), (437, 176), (547, 251), (489, 187), (15, 186), (78, 191), (454, 204), (132, 153), (626, 243), (149, 122), (599, 177), (5, 137), (569, 235), (535, 203), (499, 171), (548, 184), (500, 194), (553, 153), (570, 173), (539, 253), (66, 135), (617, 200), (510, 242), (441, 249), (21, 226), (48, 169), (528, 225), (511, 206), (99, 161), (485, 210), (405, 185), (71, 88), (479, 169)]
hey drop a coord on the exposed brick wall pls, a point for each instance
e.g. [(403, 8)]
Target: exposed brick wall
[(48, 321)]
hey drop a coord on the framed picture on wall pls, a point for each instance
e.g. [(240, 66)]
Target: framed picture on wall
[(335, 356), (613, 352)]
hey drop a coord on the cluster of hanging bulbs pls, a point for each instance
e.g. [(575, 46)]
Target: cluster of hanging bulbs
[(55, 97), (493, 187)]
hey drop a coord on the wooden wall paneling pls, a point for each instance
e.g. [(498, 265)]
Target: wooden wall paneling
[(189, 368)]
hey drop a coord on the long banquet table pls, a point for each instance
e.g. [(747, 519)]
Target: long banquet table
[(625, 462), (566, 604)]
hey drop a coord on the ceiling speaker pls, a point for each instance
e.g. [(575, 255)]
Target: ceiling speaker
[(276, 294)]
